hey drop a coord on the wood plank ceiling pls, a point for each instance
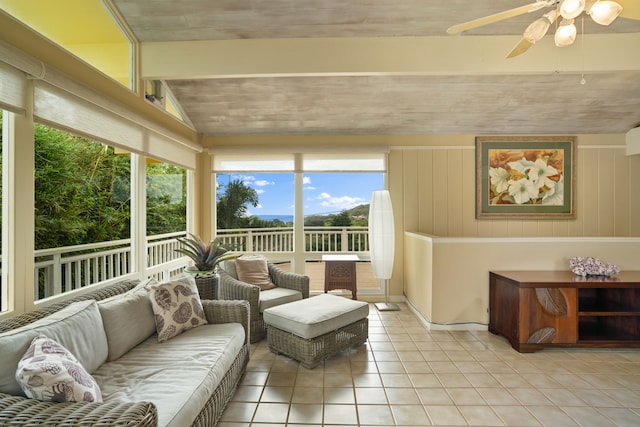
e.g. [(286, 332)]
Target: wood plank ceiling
[(499, 98)]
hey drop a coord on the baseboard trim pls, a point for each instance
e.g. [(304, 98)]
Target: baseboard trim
[(458, 326)]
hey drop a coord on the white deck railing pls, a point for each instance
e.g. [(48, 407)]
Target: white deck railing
[(67, 268), (72, 267), (317, 239)]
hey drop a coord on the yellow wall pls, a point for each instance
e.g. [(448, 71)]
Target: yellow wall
[(447, 279), (445, 253), (438, 191)]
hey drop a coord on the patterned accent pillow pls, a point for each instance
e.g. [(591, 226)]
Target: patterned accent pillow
[(254, 270), (176, 307), (49, 372)]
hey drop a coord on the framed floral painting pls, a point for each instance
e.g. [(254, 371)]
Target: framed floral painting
[(525, 177)]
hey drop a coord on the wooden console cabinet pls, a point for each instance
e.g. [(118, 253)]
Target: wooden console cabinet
[(538, 309)]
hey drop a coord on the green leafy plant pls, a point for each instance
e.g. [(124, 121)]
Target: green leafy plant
[(205, 256)]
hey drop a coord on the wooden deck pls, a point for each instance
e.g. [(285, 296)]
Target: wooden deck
[(315, 271)]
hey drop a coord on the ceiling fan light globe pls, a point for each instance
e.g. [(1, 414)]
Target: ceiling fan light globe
[(570, 9), (566, 33), (605, 12)]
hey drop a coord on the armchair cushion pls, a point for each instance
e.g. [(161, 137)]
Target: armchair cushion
[(277, 296), (254, 270)]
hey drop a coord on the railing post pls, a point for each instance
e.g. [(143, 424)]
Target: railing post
[(344, 237), (57, 275), (249, 241)]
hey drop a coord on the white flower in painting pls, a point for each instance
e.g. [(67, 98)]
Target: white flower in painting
[(522, 165), (555, 196), (522, 190), (540, 173), (499, 178)]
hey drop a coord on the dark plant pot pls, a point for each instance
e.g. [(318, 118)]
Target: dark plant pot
[(207, 283)]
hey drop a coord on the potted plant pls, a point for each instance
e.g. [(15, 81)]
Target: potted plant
[(206, 257)]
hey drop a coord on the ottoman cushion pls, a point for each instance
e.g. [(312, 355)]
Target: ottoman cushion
[(316, 316)]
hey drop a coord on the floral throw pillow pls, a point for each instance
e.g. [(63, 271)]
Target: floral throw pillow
[(176, 307), (49, 372)]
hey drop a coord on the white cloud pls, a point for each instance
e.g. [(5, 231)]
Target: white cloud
[(259, 191), (247, 179), (263, 182), (339, 203), (306, 180)]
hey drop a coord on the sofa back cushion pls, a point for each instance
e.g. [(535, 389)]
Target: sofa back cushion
[(128, 319), (77, 327)]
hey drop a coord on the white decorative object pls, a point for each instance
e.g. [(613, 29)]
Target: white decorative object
[(382, 242), (590, 266)]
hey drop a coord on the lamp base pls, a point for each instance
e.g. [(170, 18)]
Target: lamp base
[(387, 306)]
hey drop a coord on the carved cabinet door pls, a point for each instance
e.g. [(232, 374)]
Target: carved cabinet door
[(548, 315)]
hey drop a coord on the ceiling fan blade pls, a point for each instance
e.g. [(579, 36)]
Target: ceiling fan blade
[(522, 46), (500, 16), (630, 8)]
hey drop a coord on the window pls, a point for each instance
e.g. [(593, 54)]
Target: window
[(254, 211), (166, 198), (166, 207), (327, 202), (82, 212)]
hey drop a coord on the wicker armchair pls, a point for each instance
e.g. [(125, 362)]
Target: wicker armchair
[(231, 288)]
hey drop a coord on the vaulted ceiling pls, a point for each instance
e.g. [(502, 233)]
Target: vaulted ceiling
[(294, 67)]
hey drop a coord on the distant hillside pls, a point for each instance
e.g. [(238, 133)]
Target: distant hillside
[(359, 216), (359, 211)]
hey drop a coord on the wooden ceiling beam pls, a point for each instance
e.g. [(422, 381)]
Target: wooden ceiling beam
[(447, 55)]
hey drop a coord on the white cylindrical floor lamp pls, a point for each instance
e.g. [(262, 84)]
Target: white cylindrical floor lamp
[(382, 242)]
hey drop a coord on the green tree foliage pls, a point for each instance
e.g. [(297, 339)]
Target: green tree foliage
[(166, 198), (343, 219), (232, 205), (81, 190)]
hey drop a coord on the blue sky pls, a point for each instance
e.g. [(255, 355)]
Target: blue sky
[(323, 192)]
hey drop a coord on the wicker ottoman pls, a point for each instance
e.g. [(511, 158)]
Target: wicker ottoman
[(312, 329)]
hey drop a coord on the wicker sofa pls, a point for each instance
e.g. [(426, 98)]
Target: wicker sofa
[(288, 284), (225, 318)]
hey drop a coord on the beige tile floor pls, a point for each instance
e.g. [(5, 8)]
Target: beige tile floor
[(406, 375)]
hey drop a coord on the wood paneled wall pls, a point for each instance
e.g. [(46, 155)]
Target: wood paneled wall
[(438, 194)]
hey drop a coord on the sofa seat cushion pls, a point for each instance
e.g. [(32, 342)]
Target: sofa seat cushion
[(178, 375), (277, 296)]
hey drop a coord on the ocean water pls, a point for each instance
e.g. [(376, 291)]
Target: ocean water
[(283, 218)]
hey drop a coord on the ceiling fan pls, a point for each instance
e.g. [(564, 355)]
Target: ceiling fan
[(601, 11)]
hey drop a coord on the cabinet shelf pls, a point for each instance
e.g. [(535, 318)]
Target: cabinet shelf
[(597, 328)]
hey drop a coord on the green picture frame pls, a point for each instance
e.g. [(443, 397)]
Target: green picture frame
[(525, 177)]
